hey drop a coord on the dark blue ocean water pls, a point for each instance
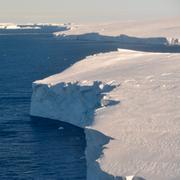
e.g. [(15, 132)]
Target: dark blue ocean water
[(36, 148)]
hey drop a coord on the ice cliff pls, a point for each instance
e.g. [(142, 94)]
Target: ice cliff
[(128, 103), (72, 102)]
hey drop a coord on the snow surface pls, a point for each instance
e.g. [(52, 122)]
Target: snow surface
[(158, 28), (163, 30), (128, 102)]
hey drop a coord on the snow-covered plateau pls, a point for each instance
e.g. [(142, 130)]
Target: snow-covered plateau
[(127, 101), (160, 31)]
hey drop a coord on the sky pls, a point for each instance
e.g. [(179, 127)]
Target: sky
[(78, 11)]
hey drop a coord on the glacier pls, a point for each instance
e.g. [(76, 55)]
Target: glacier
[(127, 102), (159, 31)]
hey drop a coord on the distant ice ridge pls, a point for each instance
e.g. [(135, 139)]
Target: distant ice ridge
[(164, 32), (128, 103), (160, 28), (124, 39), (29, 26), (18, 26)]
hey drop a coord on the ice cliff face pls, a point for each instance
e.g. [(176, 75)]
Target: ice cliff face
[(73, 102), (121, 38)]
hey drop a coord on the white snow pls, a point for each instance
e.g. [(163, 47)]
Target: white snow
[(168, 28), (16, 26), (128, 102), (28, 25)]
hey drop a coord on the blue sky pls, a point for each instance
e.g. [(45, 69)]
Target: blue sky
[(86, 10)]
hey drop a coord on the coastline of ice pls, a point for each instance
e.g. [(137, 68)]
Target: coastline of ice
[(132, 125), (161, 32), (29, 26), (128, 102)]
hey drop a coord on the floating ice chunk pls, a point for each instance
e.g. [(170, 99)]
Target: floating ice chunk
[(61, 128)]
